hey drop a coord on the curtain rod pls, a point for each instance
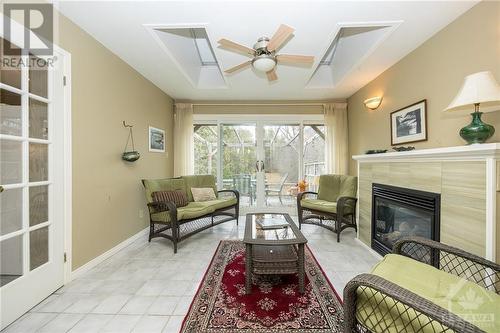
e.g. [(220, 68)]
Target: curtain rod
[(260, 104)]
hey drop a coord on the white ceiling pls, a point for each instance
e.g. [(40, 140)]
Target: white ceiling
[(124, 27)]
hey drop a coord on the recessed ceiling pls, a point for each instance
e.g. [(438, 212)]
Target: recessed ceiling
[(352, 41)]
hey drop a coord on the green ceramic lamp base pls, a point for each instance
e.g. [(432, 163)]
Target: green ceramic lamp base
[(477, 131)]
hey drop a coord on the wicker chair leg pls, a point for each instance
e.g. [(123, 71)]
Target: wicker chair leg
[(151, 230), (337, 227), (237, 209)]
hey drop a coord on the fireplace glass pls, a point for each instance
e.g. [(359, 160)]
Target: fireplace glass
[(401, 212)]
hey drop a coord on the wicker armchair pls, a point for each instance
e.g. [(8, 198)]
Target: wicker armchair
[(334, 205), (410, 312)]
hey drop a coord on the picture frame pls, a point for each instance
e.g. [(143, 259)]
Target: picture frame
[(409, 124), (156, 140)]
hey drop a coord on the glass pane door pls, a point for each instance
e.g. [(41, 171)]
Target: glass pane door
[(238, 161), (31, 230), (281, 165)]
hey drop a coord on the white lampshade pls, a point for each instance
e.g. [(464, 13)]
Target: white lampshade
[(264, 63), (480, 88)]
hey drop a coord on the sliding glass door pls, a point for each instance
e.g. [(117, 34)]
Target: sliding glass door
[(264, 160)]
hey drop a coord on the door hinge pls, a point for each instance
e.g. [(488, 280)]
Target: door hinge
[(65, 257), (64, 80)]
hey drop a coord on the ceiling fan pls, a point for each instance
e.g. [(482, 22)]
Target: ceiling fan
[(263, 53)]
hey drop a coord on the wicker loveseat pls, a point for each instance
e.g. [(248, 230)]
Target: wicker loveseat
[(178, 223), (425, 286), (333, 206)]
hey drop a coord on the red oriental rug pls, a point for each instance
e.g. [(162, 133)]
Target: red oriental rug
[(275, 304)]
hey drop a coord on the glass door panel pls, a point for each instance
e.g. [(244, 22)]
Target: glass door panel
[(239, 149), (206, 142), (281, 165), (314, 155)]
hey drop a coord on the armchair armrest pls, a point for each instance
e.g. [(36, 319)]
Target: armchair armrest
[(163, 206), (346, 202), (302, 194), (235, 192), (402, 303), (451, 260)]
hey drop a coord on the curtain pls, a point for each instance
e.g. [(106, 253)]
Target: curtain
[(337, 154), (183, 139)]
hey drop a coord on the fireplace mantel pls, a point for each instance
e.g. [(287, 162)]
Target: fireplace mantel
[(468, 178), (471, 152)]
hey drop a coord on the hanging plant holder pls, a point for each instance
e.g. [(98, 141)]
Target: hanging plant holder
[(131, 155)]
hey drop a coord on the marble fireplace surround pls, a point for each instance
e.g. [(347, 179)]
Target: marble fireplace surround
[(468, 179)]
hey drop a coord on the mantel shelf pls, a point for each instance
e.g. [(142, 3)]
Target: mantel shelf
[(471, 152)]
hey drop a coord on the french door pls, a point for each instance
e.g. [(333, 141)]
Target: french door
[(264, 160), (32, 185)]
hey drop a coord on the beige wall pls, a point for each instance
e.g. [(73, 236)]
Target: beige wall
[(434, 71), (107, 193)]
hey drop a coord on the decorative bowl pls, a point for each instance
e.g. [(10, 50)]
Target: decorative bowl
[(131, 156), (376, 151)]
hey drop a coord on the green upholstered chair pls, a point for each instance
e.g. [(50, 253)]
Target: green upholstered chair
[(425, 286), (333, 206), (177, 223)]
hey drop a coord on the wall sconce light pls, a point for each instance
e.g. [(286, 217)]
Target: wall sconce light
[(373, 103)]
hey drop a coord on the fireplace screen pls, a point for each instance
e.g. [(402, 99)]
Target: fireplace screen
[(400, 212)]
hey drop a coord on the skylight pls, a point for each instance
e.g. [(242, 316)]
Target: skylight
[(205, 52)]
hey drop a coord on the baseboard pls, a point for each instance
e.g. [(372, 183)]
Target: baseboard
[(97, 260), (373, 252)]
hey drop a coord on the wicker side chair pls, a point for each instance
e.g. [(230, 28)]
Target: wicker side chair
[(334, 205), (405, 311)]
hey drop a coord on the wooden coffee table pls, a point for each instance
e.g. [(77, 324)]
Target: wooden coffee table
[(274, 251)]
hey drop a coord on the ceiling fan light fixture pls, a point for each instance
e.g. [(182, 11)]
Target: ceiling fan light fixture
[(264, 63)]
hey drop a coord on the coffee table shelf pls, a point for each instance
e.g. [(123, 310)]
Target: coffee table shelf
[(275, 251)]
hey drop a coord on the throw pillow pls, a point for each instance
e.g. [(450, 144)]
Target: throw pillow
[(203, 194), (178, 197)]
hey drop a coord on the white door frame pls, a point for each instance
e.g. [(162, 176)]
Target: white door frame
[(67, 152), (259, 120)]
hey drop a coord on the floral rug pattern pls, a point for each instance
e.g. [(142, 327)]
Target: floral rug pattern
[(275, 304)]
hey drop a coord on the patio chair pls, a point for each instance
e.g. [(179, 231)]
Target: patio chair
[(243, 184), (276, 188)]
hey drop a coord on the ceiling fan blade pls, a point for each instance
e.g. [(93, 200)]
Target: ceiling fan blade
[(238, 67), (271, 75), (279, 37), (296, 59), (236, 47)]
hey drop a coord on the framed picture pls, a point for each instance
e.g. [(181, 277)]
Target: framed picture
[(409, 124), (156, 140)]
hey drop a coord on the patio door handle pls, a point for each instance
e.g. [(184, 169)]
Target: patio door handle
[(259, 165)]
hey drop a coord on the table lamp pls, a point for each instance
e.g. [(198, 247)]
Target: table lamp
[(478, 89)]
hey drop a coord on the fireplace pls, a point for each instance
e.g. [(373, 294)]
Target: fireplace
[(400, 212)]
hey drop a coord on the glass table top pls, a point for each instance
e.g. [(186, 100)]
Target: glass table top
[(271, 227)]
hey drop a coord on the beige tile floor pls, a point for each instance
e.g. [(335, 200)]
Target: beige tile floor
[(146, 288)]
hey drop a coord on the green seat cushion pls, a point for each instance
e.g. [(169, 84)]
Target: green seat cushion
[(167, 184), (466, 299), (198, 181), (219, 203), (191, 211), (321, 205)]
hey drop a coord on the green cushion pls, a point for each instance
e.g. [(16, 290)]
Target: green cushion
[(331, 187), (198, 181), (321, 205), (219, 203), (167, 184), (459, 296), (192, 210)]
